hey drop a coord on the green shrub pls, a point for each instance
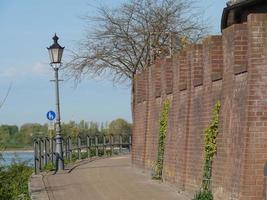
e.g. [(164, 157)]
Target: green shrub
[(158, 167), (210, 136), (92, 153), (14, 181), (203, 195), (84, 155), (100, 152), (49, 166), (108, 152)]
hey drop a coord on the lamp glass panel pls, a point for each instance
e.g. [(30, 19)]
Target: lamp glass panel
[(55, 55), (60, 53), (51, 55)]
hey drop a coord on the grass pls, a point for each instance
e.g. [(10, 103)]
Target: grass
[(14, 181)]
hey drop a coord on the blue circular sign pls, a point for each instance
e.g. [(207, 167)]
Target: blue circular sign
[(51, 115)]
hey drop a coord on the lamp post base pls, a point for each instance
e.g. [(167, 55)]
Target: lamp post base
[(59, 153)]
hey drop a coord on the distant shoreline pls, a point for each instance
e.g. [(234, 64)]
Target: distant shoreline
[(17, 151)]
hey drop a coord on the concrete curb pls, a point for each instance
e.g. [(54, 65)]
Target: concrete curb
[(37, 188)]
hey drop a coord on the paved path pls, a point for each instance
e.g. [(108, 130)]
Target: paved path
[(107, 179)]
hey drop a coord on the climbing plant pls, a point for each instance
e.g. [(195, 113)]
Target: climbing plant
[(210, 149), (161, 140), (210, 136)]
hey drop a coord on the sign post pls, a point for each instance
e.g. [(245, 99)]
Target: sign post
[(51, 115)]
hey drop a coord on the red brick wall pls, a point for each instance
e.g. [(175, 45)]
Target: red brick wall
[(231, 68), (256, 137)]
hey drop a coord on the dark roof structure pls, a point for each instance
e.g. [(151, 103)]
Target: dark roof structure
[(238, 13)]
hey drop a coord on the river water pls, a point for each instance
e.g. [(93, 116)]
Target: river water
[(17, 156)]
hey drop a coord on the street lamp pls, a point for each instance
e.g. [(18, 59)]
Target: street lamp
[(55, 54)]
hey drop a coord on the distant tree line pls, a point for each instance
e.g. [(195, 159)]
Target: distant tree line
[(12, 136)]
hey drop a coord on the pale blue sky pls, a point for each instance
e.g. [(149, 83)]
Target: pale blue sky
[(26, 28)]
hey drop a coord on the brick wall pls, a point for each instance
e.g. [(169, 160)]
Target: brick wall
[(231, 68)]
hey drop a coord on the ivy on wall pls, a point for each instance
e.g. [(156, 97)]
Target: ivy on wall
[(210, 136), (210, 149), (158, 168)]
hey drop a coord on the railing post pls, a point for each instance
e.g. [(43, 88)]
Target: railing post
[(70, 148), (45, 151), (35, 143), (40, 153), (96, 145), (104, 145), (79, 146), (88, 146), (65, 142), (120, 139)]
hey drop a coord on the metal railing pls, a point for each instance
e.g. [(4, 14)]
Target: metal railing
[(79, 148)]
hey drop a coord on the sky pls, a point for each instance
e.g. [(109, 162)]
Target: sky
[(26, 29)]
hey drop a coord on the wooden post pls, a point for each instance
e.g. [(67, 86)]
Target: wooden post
[(70, 148), (65, 142), (130, 143), (120, 139), (104, 145), (45, 152), (96, 146), (35, 144), (40, 154), (111, 144), (88, 146), (79, 146)]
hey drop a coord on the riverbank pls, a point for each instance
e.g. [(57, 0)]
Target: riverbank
[(18, 151), (14, 150)]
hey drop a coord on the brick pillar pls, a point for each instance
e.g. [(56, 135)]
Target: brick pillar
[(171, 170), (181, 105), (256, 151), (140, 119), (240, 48), (216, 58), (135, 125), (175, 155), (211, 90), (228, 163), (194, 159), (168, 76), (145, 109), (150, 127), (138, 88), (183, 71), (157, 78), (197, 65)]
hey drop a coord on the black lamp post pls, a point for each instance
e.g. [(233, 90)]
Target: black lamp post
[(55, 54)]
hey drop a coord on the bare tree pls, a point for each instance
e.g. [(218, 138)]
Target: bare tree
[(2, 149), (5, 97), (127, 39)]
